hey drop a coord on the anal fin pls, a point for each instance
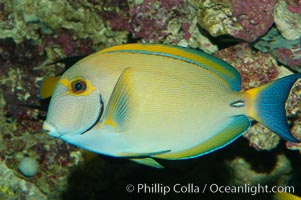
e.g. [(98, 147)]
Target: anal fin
[(237, 126)]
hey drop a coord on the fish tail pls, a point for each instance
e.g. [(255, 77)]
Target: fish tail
[(266, 104)]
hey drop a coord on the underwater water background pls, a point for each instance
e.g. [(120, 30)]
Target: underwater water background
[(253, 36)]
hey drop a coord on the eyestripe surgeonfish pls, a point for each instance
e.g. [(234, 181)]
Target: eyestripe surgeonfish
[(144, 101)]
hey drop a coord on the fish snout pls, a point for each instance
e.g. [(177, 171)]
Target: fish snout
[(50, 129)]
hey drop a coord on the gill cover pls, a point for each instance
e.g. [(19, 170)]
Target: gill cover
[(77, 106)]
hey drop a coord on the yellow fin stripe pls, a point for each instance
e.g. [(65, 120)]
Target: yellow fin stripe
[(251, 96), (168, 50), (64, 82), (111, 123)]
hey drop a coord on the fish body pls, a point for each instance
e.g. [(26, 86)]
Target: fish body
[(147, 100)]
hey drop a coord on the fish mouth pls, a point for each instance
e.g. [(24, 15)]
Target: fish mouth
[(50, 129)]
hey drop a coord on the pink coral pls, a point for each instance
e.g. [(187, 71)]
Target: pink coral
[(290, 57), (116, 13), (294, 6), (185, 27), (118, 22), (64, 40), (255, 16), (149, 20), (256, 68)]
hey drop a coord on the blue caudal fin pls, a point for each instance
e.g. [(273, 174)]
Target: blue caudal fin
[(266, 105)]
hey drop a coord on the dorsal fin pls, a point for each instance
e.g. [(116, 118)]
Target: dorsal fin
[(199, 58), (120, 109)]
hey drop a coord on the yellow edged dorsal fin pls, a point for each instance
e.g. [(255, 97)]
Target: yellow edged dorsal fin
[(199, 58), (120, 107), (47, 87)]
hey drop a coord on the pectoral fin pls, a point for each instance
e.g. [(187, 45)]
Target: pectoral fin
[(120, 109)]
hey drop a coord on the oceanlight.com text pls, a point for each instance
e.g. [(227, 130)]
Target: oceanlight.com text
[(191, 188)]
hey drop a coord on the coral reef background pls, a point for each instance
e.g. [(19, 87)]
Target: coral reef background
[(260, 38)]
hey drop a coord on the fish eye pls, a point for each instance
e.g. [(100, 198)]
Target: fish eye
[(78, 86)]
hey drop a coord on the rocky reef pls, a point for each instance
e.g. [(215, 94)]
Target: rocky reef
[(260, 38)]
